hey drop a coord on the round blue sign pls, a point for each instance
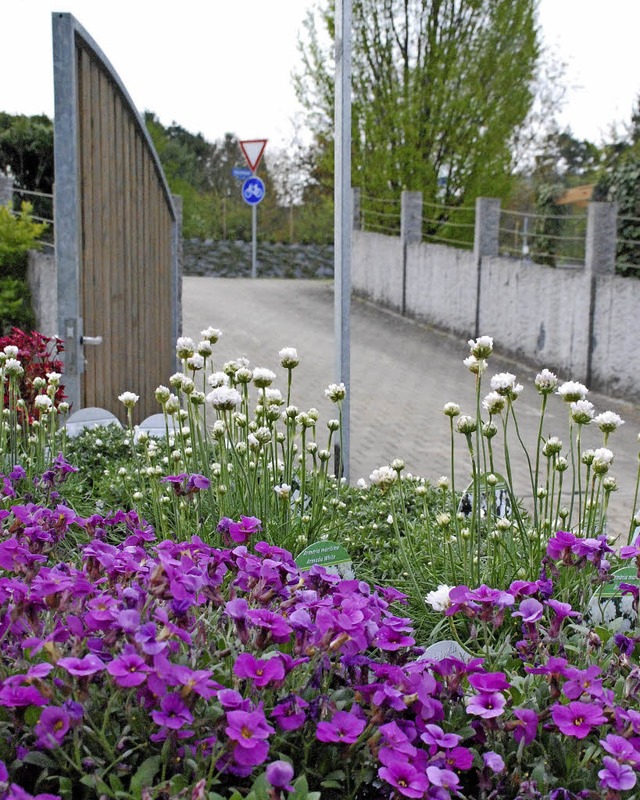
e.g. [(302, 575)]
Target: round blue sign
[(253, 191)]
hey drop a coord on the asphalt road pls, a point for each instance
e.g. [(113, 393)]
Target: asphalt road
[(402, 374)]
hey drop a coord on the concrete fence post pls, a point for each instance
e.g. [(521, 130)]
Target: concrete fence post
[(485, 242), (6, 189), (410, 232), (599, 259)]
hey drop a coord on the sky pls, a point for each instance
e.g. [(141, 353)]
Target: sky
[(215, 66)]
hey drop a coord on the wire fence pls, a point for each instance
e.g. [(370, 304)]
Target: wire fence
[(553, 239), (42, 211)]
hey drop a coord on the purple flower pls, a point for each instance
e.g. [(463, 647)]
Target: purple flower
[(560, 546), (242, 531), (619, 777), (493, 761), (290, 715), (173, 712), (52, 727), (621, 749), (577, 719), (128, 670), (489, 681), (261, 671), (81, 667), (279, 775), (582, 681), (249, 730), (405, 778), (486, 705), (444, 778), (530, 610), (344, 727), (527, 726)]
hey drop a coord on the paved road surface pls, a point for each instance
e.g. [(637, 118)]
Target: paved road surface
[(402, 374)]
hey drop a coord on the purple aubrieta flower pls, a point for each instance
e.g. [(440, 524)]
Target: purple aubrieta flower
[(489, 681), (408, 780), (577, 719), (260, 671), (290, 714), (52, 727), (493, 761), (560, 546), (582, 681), (344, 727), (173, 713), (82, 667), (280, 774), (486, 705), (241, 532), (443, 778), (187, 484), (249, 730), (615, 776), (128, 670), (621, 749), (530, 610), (526, 727)]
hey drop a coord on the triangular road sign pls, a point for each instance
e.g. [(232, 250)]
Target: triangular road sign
[(253, 150)]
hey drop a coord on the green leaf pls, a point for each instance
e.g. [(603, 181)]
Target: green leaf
[(32, 715), (145, 774), (39, 759)]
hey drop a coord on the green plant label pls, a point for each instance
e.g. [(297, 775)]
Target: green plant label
[(447, 648), (609, 604), (330, 555), (499, 493)]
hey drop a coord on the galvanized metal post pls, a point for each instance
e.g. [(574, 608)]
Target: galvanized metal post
[(66, 203), (254, 240), (343, 218)]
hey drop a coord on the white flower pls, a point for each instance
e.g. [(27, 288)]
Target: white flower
[(283, 491), (545, 381), (43, 403), (273, 397), (451, 409), (466, 424), (263, 377), (475, 365), (13, 367), (128, 399), (289, 357), (224, 398), (582, 412), (243, 375), (494, 403), (205, 348), (211, 334), (335, 392), (397, 464), (439, 598), (603, 456), (482, 347), (176, 379), (572, 391), (218, 379), (162, 394), (608, 421), (383, 477), (195, 362), (503, 383), (11, 351), (54, 378), (185, 347), (361, 484)]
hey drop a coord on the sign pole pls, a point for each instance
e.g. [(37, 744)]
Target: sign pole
[(254, 241), (343, 223)]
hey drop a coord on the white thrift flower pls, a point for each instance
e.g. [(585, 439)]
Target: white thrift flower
[(218, 379), (572, 391), (383, 477), (176, 379), (243, 375), (283, 491), (195, 362), (335, 392), (494, 403), (185, 347), (274, 397), (205, 348), (289, 357), (582, 412), (211, 334), (263, 377), (162, 394), (54, 378), (552, 446), (602, 457), (128, 399), (11, 351), (503, 383), (43, 403), (361, 483), (546, 382), (224, 398), (13, 367), (482, 347), (172, 406), (608, 421), (475, 365), (451, 409), (466, 424), (439, 598)]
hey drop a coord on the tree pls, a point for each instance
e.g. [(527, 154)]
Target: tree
[(439, 88), (26, 147)]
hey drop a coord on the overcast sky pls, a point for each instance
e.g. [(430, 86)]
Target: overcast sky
[(224, 65)]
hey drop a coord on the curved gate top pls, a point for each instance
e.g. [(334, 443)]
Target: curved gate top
[(117, 234)]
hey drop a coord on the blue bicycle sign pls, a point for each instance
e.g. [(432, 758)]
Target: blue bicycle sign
[(253, 191)]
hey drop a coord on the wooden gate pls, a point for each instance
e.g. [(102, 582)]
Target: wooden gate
[(117, 234)]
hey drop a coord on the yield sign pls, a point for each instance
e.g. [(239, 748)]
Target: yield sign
[(253, 150)]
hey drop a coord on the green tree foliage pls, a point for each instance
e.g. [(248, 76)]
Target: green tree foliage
[(26, 146), (439, 88), (18, 234), (619, 182)]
